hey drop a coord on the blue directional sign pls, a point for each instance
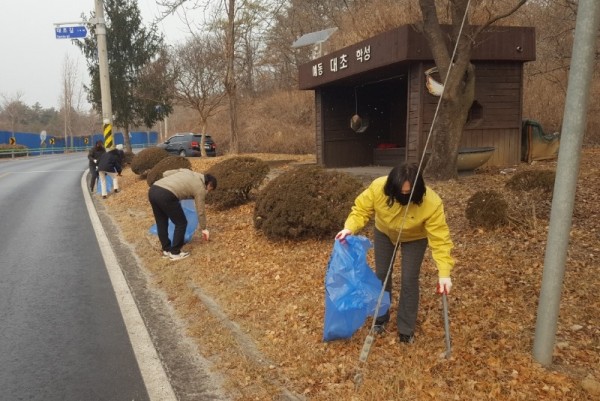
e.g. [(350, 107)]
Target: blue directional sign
[(70, 32)]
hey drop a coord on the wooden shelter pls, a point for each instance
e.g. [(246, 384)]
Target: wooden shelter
[(383, 80)]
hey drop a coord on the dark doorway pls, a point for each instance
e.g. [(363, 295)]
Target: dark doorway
[(383, 105)]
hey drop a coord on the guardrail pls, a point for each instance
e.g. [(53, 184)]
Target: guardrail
[(25, 152)]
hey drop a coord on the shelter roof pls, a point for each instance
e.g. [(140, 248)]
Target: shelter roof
[(383, 55)]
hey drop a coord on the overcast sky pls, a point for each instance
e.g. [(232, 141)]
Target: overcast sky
[(32, 58)]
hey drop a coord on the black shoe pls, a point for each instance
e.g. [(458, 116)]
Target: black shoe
[(116, 190), (104, 197), (380, 322), (406, 338)]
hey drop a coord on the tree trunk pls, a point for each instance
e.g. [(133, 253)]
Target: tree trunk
[(230, 84), (448, 128), (126, 141), (459, 90), (203, 124)]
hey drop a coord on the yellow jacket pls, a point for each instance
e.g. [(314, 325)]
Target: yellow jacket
[(426, 220)]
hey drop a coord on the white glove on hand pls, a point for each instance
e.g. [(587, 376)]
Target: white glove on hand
[(205, 234), (341, 236), (444, 285)]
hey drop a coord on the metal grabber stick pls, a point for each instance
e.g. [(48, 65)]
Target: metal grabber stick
[(446, 324), (370, 339)]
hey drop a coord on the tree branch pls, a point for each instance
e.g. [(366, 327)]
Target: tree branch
[(500, 16)]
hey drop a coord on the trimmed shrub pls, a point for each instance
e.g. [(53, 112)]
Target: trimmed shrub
[(305, 202), (532, 196), (487, 209), (236, 178), (146, 159), (168, 163), (528, 180)]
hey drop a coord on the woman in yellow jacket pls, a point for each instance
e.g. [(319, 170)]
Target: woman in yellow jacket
[(408, 212)]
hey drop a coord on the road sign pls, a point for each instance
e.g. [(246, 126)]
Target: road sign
[(70, 32), (51, 141), (12, 140)]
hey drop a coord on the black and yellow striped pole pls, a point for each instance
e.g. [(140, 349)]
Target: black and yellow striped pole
[(108, 136), (104, 78)]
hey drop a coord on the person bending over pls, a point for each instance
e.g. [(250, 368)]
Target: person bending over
[(410, 214), (164, 196)]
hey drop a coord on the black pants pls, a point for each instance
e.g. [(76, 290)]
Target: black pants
[(165, 206), (93, 176)]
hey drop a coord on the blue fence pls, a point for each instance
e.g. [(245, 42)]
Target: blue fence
[(56, 144)]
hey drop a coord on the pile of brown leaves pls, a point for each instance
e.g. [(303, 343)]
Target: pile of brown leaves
[(256, 307)]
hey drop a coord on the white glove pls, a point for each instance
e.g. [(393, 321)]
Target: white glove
[(205, 234), (341, 236), (444, 285), (95, 161)]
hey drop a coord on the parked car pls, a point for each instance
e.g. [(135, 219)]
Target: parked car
[(188, 144)]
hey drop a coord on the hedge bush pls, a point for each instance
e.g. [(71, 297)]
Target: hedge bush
[(528, 180), (236, 178), (305, 202), (168, 163), (487, 209), (146, 159)]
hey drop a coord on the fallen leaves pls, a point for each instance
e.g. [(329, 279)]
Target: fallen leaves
[(273, 291)]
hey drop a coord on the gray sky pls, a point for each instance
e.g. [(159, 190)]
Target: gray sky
[(33, 59)]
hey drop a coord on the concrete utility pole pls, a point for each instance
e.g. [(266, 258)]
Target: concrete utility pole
[(104, 77), (563, 199)]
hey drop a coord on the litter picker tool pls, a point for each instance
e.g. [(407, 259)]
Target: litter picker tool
[(446, 323)]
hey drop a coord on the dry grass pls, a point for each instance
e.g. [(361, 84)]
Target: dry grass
[(256, 307)]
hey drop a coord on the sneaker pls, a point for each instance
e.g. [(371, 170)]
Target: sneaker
[(406, 338), (380, 322), (166, 254), (103, 196), (116, 191), (179, 256)]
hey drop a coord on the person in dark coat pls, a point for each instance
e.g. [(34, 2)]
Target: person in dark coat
[(93, 157), (109, 163)]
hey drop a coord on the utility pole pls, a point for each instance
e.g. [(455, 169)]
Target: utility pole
[(104, 77), (563, 198)]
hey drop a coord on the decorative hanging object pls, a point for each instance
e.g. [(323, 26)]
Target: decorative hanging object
[(357, 123), (433, 86)]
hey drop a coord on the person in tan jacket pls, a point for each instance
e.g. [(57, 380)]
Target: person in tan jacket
[(408, 216), (164, 196)]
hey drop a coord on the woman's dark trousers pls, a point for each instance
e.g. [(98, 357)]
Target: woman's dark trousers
[(165, 206), (412, 254)]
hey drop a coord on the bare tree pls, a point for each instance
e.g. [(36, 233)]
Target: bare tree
[(68, 97), (199, 77), (459, 91), (230, 81), (14, 108), (237, 12)]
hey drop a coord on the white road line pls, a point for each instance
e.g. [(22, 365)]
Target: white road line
[(42, 171), (155, 378)]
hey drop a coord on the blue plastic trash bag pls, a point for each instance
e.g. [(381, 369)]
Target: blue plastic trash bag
[(351, 289), (189, 209), (109, 185)]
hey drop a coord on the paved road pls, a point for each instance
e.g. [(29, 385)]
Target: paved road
[(62, 335)]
